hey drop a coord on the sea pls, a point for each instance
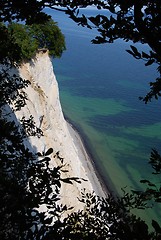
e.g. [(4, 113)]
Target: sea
[(100, 86)]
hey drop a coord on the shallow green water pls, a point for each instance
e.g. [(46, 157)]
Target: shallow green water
[(118, 156)]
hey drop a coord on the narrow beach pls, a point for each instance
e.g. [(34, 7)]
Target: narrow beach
[(93, 176)]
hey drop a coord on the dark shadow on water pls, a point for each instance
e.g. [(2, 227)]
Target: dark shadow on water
[(131, 119)]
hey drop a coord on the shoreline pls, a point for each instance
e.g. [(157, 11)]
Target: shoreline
[(97, 182)]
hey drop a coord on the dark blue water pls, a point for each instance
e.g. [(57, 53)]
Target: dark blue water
[(100, 87)]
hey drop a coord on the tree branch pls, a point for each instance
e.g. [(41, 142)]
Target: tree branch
[(149, 36)]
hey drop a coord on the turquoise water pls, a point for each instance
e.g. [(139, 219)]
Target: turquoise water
[(99, 90)]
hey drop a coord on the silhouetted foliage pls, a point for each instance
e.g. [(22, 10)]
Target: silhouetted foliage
[(104, 219), (27, 10), (12, 89), (153, 189), (29, 128), (27, 181)]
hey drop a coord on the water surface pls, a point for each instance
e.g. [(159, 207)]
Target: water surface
[(100, 87)]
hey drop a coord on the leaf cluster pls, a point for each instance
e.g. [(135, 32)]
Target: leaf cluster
[(12, 89), (27, 181), (21, 42), (29, 128), (23, 10), (49, 36), (103, 219)]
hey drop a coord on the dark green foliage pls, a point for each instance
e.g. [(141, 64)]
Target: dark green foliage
[(21, 35), (49, 36), (9, 50), (30, 38), (21, 42)]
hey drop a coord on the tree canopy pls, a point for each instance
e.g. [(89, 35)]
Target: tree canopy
[(27, 39), (48, 35)]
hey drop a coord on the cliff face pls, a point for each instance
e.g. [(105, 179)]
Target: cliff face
[(44, 105)]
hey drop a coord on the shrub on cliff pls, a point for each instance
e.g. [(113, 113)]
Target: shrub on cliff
[(28, 39), (22, 37)]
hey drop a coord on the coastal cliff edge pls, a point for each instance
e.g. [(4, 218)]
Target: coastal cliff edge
[(44, 105)]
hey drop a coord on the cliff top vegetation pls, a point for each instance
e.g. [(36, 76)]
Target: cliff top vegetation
[(27, 39)]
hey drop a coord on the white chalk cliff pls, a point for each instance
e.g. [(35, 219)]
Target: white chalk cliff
[(44, 105)]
